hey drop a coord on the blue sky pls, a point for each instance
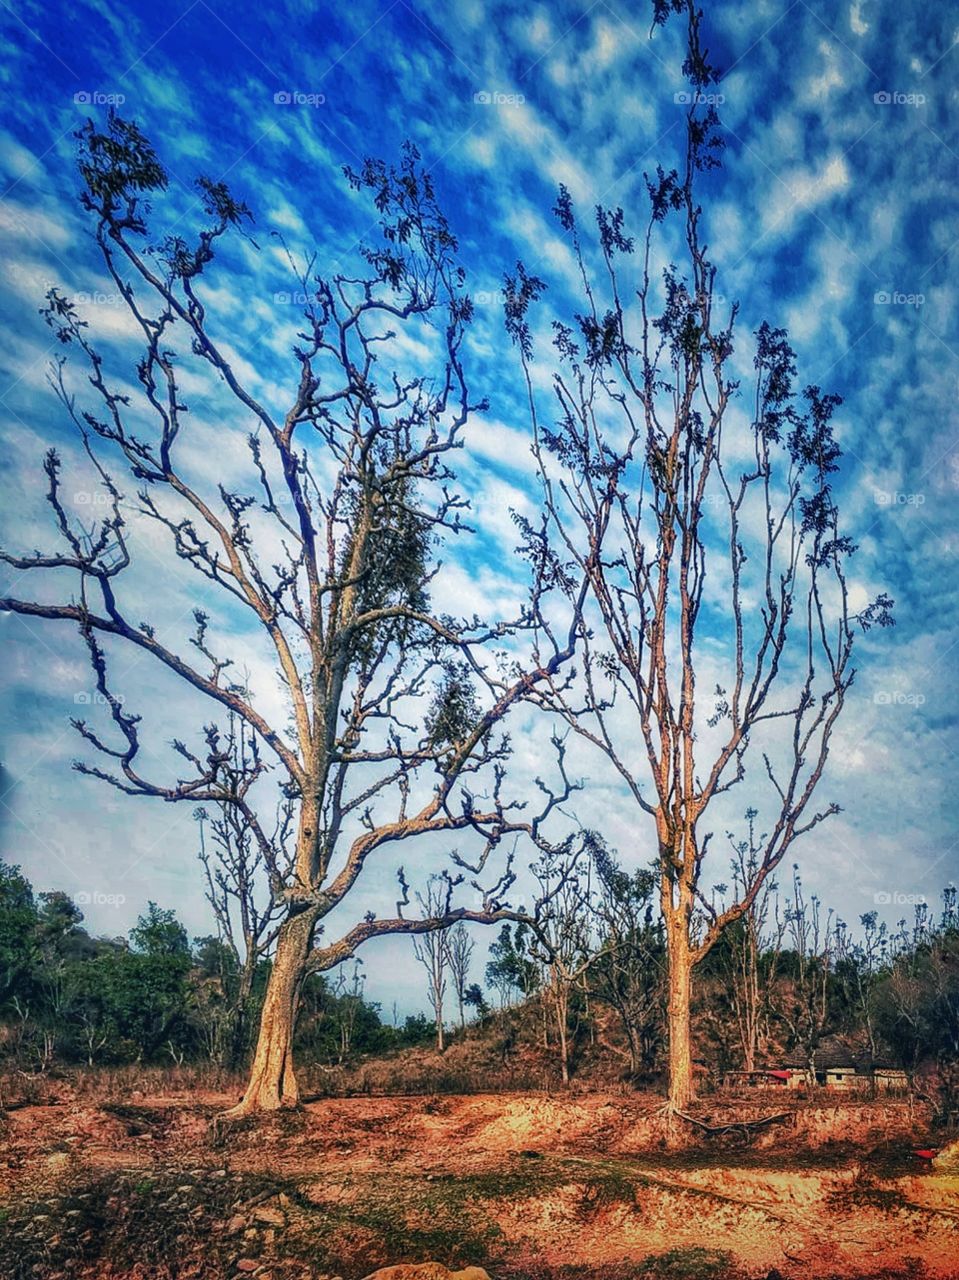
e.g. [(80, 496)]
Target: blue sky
[(835, 215)]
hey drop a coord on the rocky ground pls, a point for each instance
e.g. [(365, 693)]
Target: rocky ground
[(529, 1186)]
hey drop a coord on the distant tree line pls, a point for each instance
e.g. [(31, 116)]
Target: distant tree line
[(154, 996), (785, 978), (590, 983)]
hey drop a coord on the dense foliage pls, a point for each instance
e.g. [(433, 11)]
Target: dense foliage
[(153, 996)]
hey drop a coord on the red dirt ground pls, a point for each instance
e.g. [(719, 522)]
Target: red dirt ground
[(532, 1186)]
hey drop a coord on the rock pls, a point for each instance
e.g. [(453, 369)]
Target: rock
[(427, 1271), (272, 1217)]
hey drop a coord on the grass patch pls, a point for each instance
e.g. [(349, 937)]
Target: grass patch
[(689, 1264)]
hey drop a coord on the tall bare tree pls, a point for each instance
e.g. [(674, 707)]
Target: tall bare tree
[(709, 548), (323, 553), (461, 948), (246, 902), (628, 973), (432, 951), (801, 999), (562, 943), (750, 947)]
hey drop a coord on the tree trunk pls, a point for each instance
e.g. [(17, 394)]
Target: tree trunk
[(272, 1083), (438, 1013), (680, 1043), (563, 1047)]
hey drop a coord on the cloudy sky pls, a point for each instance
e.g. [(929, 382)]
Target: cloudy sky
[(835, 216)]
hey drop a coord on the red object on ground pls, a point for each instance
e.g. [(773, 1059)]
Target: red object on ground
[(781, 1075), (927, 1153)]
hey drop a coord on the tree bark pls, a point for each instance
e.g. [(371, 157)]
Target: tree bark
[(564, 1048), (272, 1084), (680, 1043)]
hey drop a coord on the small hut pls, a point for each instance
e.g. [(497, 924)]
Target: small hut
[(836, 1065), (882, 1075)]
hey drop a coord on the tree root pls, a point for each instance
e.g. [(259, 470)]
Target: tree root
[(741, 1126)]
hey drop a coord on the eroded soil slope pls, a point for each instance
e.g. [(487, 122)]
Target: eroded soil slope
[(532, 1187)]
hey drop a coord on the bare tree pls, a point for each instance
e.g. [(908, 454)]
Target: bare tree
[(751, 946), (801, 998), (432, 950), (859, 963), (324, 552), (247, 911), (461, 948), (349, 1003), (703, 544), (628, 973), (562, 940)]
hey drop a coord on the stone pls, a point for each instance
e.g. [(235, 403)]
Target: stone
[(427, 1271), (272, 1217)]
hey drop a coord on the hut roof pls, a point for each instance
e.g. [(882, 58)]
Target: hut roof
[(831, 1052)]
